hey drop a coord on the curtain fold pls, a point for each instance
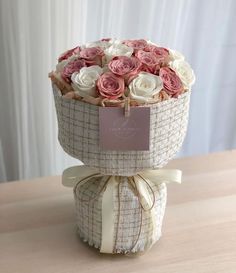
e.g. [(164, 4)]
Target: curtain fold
[(33, 33)]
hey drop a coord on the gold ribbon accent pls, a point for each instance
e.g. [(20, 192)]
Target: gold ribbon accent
[(78, 175)]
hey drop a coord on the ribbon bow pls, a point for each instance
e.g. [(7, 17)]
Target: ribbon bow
[(79, 175)]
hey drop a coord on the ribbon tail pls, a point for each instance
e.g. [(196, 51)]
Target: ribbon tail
[(163, 175), (147, 201), (107, 243), (156, 177), (72, 175)]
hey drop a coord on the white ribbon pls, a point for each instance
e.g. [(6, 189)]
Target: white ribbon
[(81, 174)]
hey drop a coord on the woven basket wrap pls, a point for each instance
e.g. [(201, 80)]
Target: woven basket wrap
[(78, 134), (89, 215)]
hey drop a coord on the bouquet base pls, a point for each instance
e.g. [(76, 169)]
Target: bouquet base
[(135, 228)]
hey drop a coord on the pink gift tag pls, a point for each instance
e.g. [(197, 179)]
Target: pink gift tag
[(117, 132)]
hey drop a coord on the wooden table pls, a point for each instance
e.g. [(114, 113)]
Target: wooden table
[(37, 227)]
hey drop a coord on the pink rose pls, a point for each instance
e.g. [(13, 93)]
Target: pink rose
[(160, 52), (171, 82), (92, 55), (136, 44), (110, 86), (106, 39), (70, 68), (151, 63), (69, 53), (125, 66)]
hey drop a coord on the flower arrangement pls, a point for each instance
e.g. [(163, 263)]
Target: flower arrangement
[(108, 71), (120, 195)]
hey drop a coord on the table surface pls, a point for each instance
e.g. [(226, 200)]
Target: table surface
[(38, 233)]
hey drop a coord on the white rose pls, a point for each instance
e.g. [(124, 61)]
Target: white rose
[(103, 44), (175, 55), (184, 71), (145, 86), (84, 82), (117, 49)]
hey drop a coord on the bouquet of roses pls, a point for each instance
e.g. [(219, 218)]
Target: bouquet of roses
[(120, 192), (108, 71)]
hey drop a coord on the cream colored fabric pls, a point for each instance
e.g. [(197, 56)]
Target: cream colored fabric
[(78, 134), (89, 216), (143, 188)]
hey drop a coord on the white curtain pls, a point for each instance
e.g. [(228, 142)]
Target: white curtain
[(33, 33)]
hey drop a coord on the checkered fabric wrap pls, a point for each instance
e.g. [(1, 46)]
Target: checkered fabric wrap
[(88, 202), (78, 134)]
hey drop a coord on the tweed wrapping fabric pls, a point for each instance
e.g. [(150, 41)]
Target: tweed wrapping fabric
[(133, 226), (78, 134)]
